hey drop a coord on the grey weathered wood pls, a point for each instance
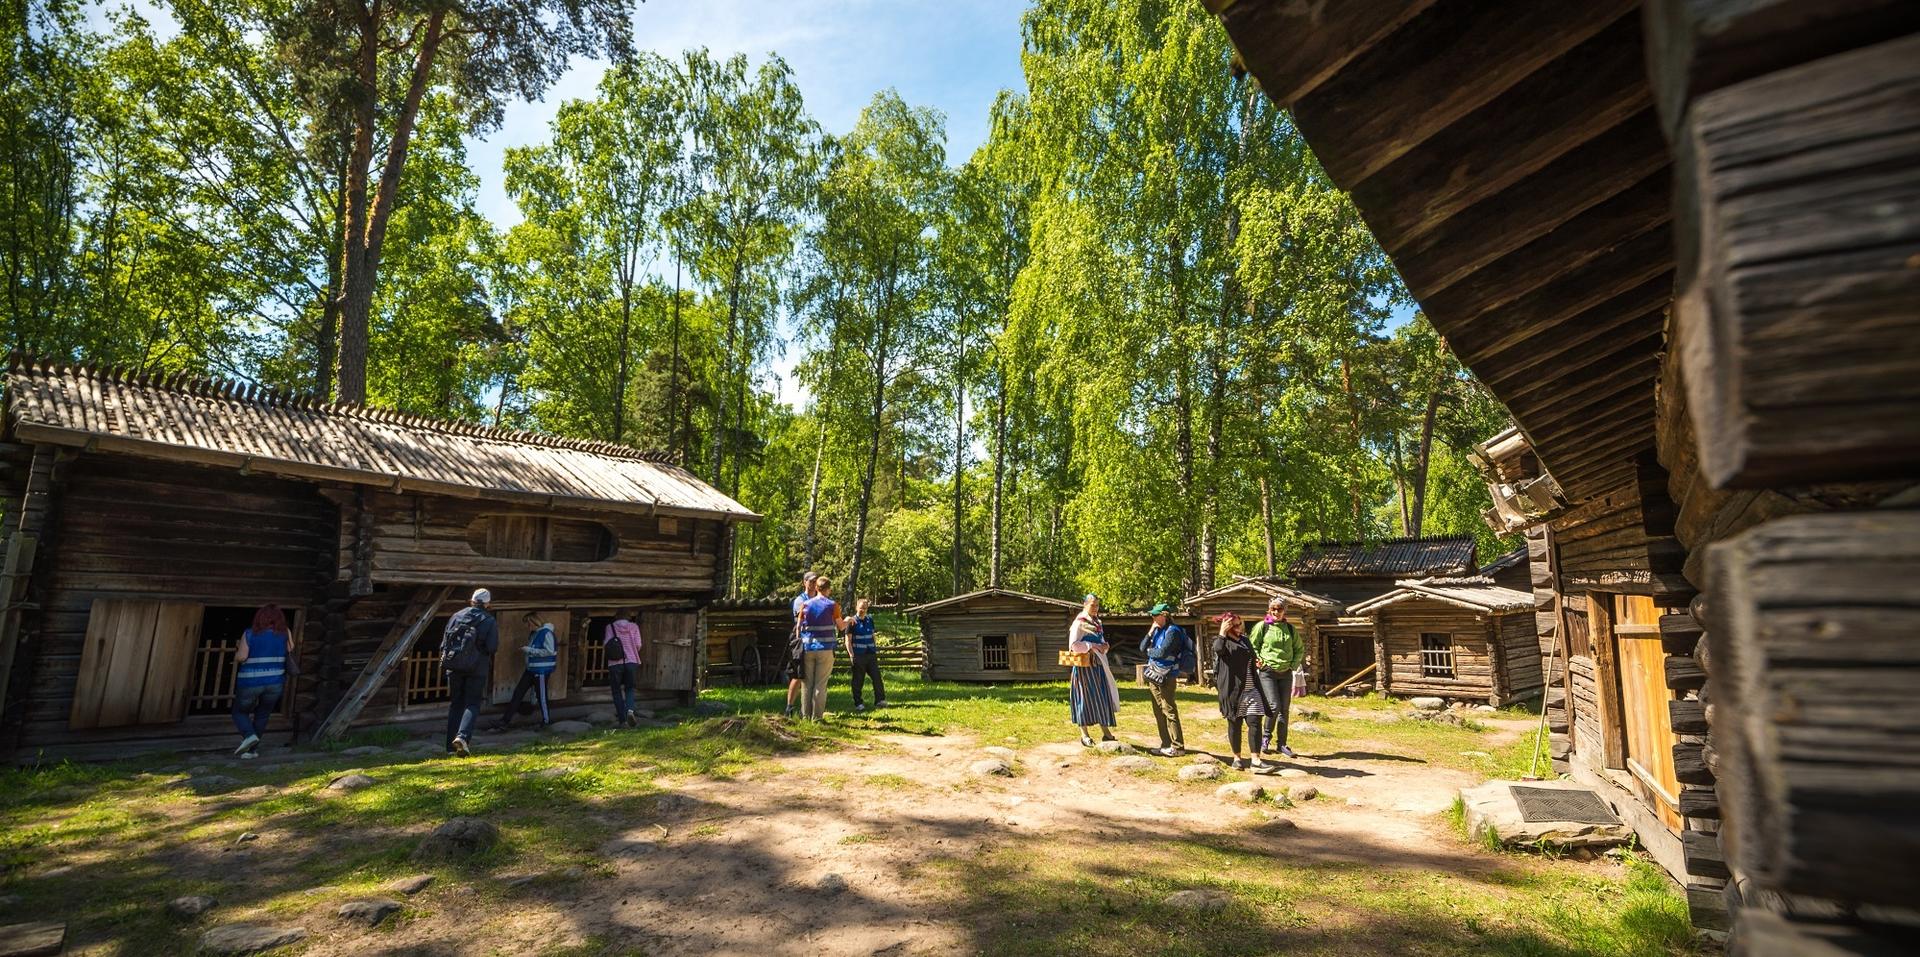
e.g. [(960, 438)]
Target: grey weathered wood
[(1699, 801), (1702, 852), (1690, 764), (1687, 717), (1294, 47), (1684, 674), (424, 606)]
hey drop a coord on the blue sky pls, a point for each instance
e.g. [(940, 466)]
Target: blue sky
[(953, 55)]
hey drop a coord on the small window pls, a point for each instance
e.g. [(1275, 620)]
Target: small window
[(593, 660), (211, 691), (993, 652), (425, 680), (541, 539), (1436, 655)]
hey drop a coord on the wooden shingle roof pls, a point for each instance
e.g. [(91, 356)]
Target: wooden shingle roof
[(234, 425), (1266, 588), (1472, 592), (1434, 555), (960, 601)]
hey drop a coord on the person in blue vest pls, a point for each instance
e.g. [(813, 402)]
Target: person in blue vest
[(864, 651), (264, 659), (820, 623), (796, 672), (543, 652), (1170, 654)]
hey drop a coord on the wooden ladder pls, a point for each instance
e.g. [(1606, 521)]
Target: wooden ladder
[(421, 610)]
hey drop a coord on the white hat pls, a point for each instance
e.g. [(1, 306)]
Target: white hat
[(482, 596)]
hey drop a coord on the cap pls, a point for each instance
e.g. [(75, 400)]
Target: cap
[(482, 596), (1160, 609), (1090, 597), (810, 576)]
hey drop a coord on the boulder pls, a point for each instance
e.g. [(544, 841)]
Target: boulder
[(1486, 709), (1492, 808), (191, 906), (1201, 900), (1133, 764), (368, 912), (1290, 773), (236, 940), (410, 886), (1245, 791), (212, 783), (999, 752), (1302, 793), (1200, 772), (1428, 704), (1113, 747), (350, 782), (628, 848), (33, 939), (1303, 727), (569, 727), (831, 884), (457, 839), (1277, 824), (991, 767)]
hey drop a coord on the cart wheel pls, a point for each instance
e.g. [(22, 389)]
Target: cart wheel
[(749, 666)]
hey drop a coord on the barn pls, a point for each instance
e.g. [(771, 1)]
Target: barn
[(1465, 638), (995, 635), (1248, 598), (147, 517)]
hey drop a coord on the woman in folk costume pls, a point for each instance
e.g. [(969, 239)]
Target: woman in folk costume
[(1242, 702), (1095, 699)]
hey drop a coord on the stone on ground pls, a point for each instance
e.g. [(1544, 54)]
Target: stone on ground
[(991, 767), (1428, 704), (1276, 824), (212, 783), (364, 750), (368, 912), (1303, 727), (1475, 754), (831, 884), (350, 782), (191, 906), (246, 837), (1114, 747), (236, 940), (569, 727), (410, 886), (457, 839), (1486, 709), (1290, 773), (1200, 772), (557, 771), (1302, 793), (1201, 758), (1000, 752), (627, 848), (1133, 764), (33, 939), (1198, 899), (1248, 791), (1491, 807)]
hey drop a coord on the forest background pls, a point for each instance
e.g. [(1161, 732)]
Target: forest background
[(1135, 343)]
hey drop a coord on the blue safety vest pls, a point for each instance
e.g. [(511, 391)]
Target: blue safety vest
[(541, 659), (862, 631), (266, 662), (820, 625)]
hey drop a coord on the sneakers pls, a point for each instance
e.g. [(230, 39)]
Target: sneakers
[(1239, 764), (1169, 751), (460, 747), (1260, 765), (247, 744), (788, 714), (1287, 751), (858, 707), (633, 720), (249, 755), (880, 703)]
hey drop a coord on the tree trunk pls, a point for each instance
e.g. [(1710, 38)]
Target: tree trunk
[(621, 370), (959, 463), (726, 364), (873, 453), (813, 494), (1353, 420), (1266, 527), (1422, 457), (673, 370), (999, 484), (327, 341)]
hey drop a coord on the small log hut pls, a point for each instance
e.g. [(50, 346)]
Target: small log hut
[(747, 639), (1463, 638), (995, 635), (1676, 238), (1248, 598), (1353, 572), (147, 517)]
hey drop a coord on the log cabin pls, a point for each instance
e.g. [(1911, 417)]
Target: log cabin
[(1677, 240), (1463, 638), (1248, 598), (995, 635), (147, 517), (747, 639)]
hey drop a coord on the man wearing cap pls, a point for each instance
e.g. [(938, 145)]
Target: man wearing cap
[(796, 670), (542, 651), (1168, 649), (466, 652), (1277, 651)]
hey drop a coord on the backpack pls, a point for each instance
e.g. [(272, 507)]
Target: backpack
[(459, 651), (1189, 661)]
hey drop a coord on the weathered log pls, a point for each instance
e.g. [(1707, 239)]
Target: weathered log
[(1702, 854), (1690, 764), (1684, 674), (1699, 802), (1687, 717)]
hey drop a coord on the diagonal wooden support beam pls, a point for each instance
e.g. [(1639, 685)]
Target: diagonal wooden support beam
[(421, 610)]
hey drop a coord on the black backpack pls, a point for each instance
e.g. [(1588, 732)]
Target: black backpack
[(459, 650)]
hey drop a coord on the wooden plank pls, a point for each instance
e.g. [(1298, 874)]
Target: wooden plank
[(1687, 717), (176, 634), (1702, 852), (420, 611), (1294, 47), (1606, 668), (1698, 801), (1684, 674), (126, 666)]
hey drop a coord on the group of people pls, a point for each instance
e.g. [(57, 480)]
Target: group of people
[(817, 626), (1252, 674)]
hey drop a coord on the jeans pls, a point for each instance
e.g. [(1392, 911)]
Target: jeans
[(1251, 725), (464, 692), (528, 682), (1278, 688), (867, 664), (1166, 710), (819, 668), (623, 678), (253, 706)]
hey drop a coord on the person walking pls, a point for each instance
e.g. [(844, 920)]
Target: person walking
[(543, 652), (796, 673), (1241, 701), (1277, 652), (1169, 650), (820, 622), (265, 661), (864, 651), (466, 653), (1093, 698), (623, 667)]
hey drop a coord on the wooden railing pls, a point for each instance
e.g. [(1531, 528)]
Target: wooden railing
[(901, 657), (426, 680), (594, 670), (211, 683)]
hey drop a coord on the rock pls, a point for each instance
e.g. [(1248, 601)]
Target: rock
[(1201, 759), (190, 907), (1000, 752), (559, 771), (234, 940), (627, 848), (831, 884), (991, 767), (423, 746), (672, 803), (1248, 791), (569, 727), (1200, 772), (1201, 900), (246, 837), (199, 769), (1302, 793), (212, 783), (1428, 704), (410, 886), (1486, 709), (1133, 764), (364, 750), (33, 939), (1492, 808), (1278, 824), (518, 880), (368, 912), (350, 782), (459, 838), (1290, 773), (1304, 727), (1113, 747), (1475, 754)]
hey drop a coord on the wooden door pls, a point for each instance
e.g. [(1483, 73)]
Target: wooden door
[(135, 664), (510, 661), (667, 651), (1644, 696), (1022, 653)]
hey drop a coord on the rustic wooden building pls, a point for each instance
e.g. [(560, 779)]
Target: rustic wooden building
[(747, 639), (1467, 639), (146, 518), (1676, 238), (1353, 572), (995, 635), (1309, 613)]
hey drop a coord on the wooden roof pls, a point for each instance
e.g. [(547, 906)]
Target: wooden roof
[(1475, 593), (234, 425), (1508, 157), (1516, 557), (1267, 588), (1429, 555), (961, 601)]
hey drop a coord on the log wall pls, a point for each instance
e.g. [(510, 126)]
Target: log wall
[(952, 638), (1474, 661)]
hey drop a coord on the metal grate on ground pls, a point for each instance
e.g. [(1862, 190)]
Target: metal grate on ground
[(1562, 804)]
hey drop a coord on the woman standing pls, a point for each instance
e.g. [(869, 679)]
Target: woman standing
[(1277, 656), (1242, 702), (1095, 699), (261, 679)]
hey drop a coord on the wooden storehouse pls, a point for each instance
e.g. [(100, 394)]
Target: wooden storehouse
[(1676, 238), (1353, 572), (1248, 598), (995, 635), (747, 639), (146, 518), (1466, 639)]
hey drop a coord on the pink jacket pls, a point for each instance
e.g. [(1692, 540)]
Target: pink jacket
[(628, 635)]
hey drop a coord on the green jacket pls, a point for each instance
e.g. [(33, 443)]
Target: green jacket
[(1277, 645)]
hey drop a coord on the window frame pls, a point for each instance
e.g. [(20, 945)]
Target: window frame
[(1437, 652)]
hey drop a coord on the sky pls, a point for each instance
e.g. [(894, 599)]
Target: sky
[(953, 55)]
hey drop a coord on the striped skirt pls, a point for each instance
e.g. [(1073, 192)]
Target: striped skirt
[(1091, 696)]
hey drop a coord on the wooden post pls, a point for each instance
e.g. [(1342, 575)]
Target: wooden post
[(420, 611), (1606, 680), (1496, 661), (1384, 668)]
